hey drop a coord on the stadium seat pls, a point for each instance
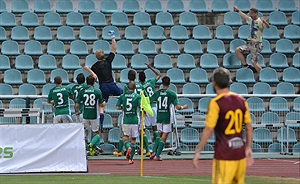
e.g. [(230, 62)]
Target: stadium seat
[(131, 6), (163, 61), (19, 33), (233, 19), (285, 46), (17, 103), (198, 6), (186, 61), (46, 88), (105, 31), (264, 5), (10, 48), (243, 32), (203, 104), (216, 46), (277, 18), (291, 32), (209, 61), (86, 6), (101, 45), (296, 148), (42, 33), (147, 47), (70, 62), (164, 19), (191, 88), (245, 75), (78, 71), (33, 48), (176, 75), (199, 76), (42, 6), (90, 60), (270, 118), (4, 63), (2, 6), (201, 32), (7, 19), (38, 103), (271, 33), (296, 60), (261, 88), (170, 47), (256, 104), (2, 34), (150, 74), (119, 62), (59, 72), (256, 148), (278, 60), (52, 19), (209, 89), (24, 62), (262, 135), (79, 47), (142, 19), (114, 135), (125, 47), (296, 18), (47, 62), (276, 148), (182, 101), (192, 46), (175, 6), (266, 47), (261, 61), (88, 33), (172, 138), (156, 33), (188, 19), (27, 89), (153, 7), (179, 32), (224, 32), (253, 118), (119, 19), (36, 76), (97, 19), (133, 33), (219, 6), (74, 19), (230, 60), (287, 6), (19, 6), (239, 88), (29, 19), (108, 6), (293, 117), (110, 107), (291, 75), (65, 33), (268, 75), (236, 43), (124, 75), (109, 149), (64, 6), (189, 136), (279, 105), (138, 61), (6, 89), (107, 122), (285, 88), (243, 5)]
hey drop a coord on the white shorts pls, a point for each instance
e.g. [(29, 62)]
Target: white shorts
[(64, 118), (130, 130), (151, 120), (165, 128), (93, 123)]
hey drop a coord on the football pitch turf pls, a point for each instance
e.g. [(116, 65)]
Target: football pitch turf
[(113, 179)]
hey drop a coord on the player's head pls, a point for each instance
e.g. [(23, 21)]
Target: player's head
[(166, 81), (131, 75), (221, 78), (90, 80), (100, 55), (80, 78), (131, 85), (142, 77), (57, 80), (253, 13)]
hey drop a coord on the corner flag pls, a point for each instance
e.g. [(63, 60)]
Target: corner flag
[(145, 104)]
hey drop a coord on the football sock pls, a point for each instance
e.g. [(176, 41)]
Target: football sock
[(161, 146), (133, 148), (127, 145), (95, 141), (146, 143), (155, 134), (120, 145), (157, 140)]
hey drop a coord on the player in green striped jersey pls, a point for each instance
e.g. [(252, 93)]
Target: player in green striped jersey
[(59, 96)]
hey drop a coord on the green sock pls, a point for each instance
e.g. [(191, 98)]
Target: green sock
[(146, 144), (127, 145), (155, 134), (157, 141), (161, 146), (95, 141), (133, 147), (120, 145)]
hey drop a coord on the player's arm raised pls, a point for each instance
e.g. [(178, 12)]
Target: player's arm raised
[(90, 71), (242, 14), (157, 74)]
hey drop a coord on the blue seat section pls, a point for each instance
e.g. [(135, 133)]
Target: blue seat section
[(219, 6), (109, 149), (291, 75), (131, 6), (74, 19), (209, 89), (27, 89), (216, 46), (119, 19), (59, 72), (153, 7), (64, 6), (296, 60), (4, 62), (142, 19), (176, 75), (42, 33), (191, 88), (114, 135), (2, 6), (79, 47), (189, 136), (17, 103), (287, 6), (188, 19), (97, 19), (230, 60), (6, 89), (264, 5), (201, 32), (101, 45), (47, 62), (186, 61), (296, 18), (24, 62), (270, 118), (276, 148), (285, 88), (13, 77), (279, 105), (198, 6), (86, 6), (199, 76), (125, 47), (90, 60), (7, 19), (147, 47), (239, 88), (296, 148), (256, 104), (163, 61), (110, 107), (170, 47), (203, 104), (164, 19), (52, 19), (2, 34), (36, 76), (188, 101), (271, 33), (243, 5), (236, 43), (261, 61), (253, 118), (156, 33), (70, 62), (42, 6), (33, 48), (266, 47), (294, 117), (108, 6), (175, 6), (277, 18), (261, 88), (243, 32), (65, 33), (56, 48), (88, 33), (179, 32), (278, 60), (138, 61), (193, 46), (29, 19), (268, 75), (133, 33), (224, 32), (46, 88), (19, 33), (119, 62), (233, 19), (262, 135), (209, 61), (105, 31), (10, 48), (19, 6), (256, 148), (291, 32)]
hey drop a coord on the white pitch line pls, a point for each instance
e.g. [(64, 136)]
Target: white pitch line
[(284, 160), (168, 178)]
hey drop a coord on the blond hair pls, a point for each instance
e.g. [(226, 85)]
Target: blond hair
[(100, 54)]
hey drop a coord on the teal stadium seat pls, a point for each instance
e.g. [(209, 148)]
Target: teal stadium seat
[(262, 135), (42, 33), (86, 6), (6, 89), (59, 72), (119, 19), (4, 62), (7, 19), (287, 6), (162, 61), (245, 75), (261, 88), (182, 101), (29, 19), (64, 6), (279, 105), (114, 135), (268, 75), (291, 32), (271, 33), (291, 75), (131, 6), (52, 19), (189, 136), (88, 33), (27, 89), (125, 47), (186, 61), (108, 6), (109, 149), (261, 61), (110, 107), (175, 6), (224, 32), (119, 62), (256, 148), (209, 61), (153, 6), (236, 43), (107, 122), (70, 62), (164, 19), (97, 19), (142, 19), (293, 118), (179, 32), (191, 88), (239, 88), (256, 105), (105, 31), (78, 71), (42, 6), (138, 62), (38, 103), (243, 5), (147, 47), (2, 34), (65, 34), (277, 18), (188, 19), (285, 88), (170, 47), (209, 89), (285, 46), (36, 77), (216, 46), (203, 104), (276, 148), (19, 33), (46, 88), (133, 33), (156, 33), (2, 6), (193, 46), (176, 75), (233, 18), (150, 74), (296, 148), (124, 75), (243, 32), (56, 48), (219, 6), (33, 48), (19, 6), (230, 60), (24, 62), (270, 118), (17, 103), (266, 47), (201, 32), (199, 76), (172, 87), (47, 62), (198, 6), (265, 6), (296, 18), (79, 47), (101, 45)]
